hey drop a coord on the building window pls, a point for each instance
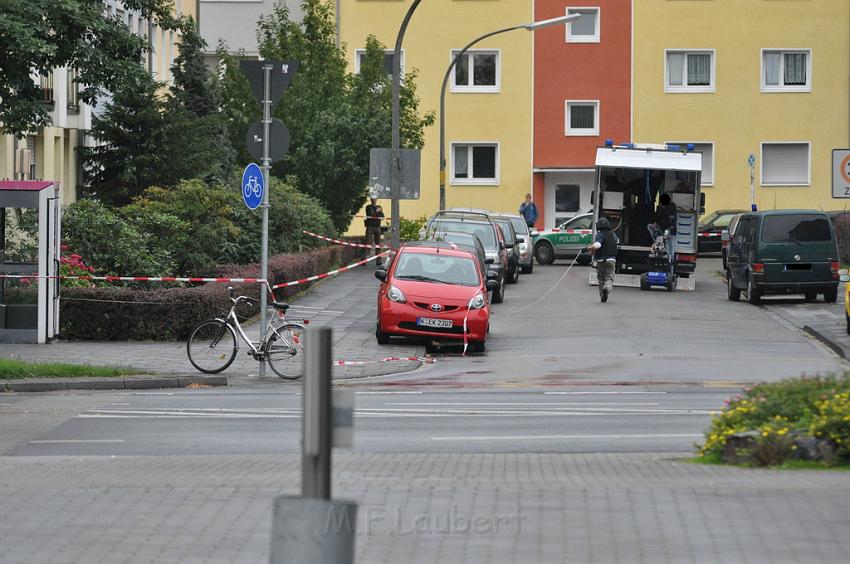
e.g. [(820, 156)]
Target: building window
[(582, 117), (388, 60), (73, 90), (45, 83), (567, 202), (586, 28), (707, 150), (786, 164), (689, 71), (475, 163), (476, 71), (786, 71)]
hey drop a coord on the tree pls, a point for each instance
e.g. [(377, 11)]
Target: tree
[(37, 36), (334, 118), (131, 134), (238, 105), (198, 135)]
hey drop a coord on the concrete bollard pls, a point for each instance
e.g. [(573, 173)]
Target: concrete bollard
[(313, 531)]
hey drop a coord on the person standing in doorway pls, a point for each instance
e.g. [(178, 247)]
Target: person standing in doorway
[(374, 217), (528, 210), (604, 250)]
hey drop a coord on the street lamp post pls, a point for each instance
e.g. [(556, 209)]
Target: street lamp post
[(395, 168), (529, 27)]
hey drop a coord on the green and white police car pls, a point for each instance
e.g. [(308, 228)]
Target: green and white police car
[(566, 241)]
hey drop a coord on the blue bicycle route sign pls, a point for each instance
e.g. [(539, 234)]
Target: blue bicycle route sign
[(253, 186)]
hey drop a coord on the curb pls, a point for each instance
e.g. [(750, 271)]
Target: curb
[(150, 383), (832, 345)]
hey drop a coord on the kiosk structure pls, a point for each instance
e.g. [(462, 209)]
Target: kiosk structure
[(29, 245)]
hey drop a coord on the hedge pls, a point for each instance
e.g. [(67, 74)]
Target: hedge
[(126, 313), (842, 235)]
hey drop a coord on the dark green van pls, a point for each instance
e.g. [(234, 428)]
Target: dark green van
[(783, 252)]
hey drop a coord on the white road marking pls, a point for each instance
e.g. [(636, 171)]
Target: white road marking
[(599, 393), (75, 441), (546, 403), (570, 437)]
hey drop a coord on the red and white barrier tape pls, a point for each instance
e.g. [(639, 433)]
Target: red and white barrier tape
[(572, 231), (346, 243), (329, 274), (426, 360), (138, 278), (371, 217)]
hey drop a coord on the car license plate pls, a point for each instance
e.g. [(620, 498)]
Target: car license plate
[(431, 322)]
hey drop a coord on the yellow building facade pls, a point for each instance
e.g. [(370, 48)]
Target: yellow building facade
[(760, 77), (488, 111)]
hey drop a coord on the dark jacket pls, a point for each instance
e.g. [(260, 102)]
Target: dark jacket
[(666, 216), (608, 239), (373, 216)]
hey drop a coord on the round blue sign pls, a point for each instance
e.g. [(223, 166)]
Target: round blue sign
[(253, 186)]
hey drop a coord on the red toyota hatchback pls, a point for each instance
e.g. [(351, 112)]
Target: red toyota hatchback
[(433, 291)]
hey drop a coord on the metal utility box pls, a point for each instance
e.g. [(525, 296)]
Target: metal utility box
[(29, 245)]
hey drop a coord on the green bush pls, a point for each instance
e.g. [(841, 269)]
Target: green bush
[(777, 411), (409, 228), (189, 229), (112, 244)]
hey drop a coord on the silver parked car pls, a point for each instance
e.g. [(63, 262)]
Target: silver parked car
[(526, 256)]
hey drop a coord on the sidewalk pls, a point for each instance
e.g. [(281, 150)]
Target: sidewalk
[(499, 508), (346, 303)]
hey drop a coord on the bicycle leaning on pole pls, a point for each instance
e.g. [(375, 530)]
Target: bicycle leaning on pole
[(212, 345)]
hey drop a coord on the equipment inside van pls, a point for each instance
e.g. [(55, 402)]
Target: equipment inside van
[(630, 181)]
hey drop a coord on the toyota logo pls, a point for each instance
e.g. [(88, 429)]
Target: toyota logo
[(436, 307)]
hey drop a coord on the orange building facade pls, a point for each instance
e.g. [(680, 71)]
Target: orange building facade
[(582, 96)]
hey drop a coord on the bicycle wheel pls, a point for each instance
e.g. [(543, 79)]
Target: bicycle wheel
[(285, 351), (211, 346)]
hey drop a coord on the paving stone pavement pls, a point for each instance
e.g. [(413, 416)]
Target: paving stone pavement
[(426, 508), (346, 302)]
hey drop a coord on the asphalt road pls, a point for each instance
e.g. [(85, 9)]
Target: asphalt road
[(552, 330), (207, 422)]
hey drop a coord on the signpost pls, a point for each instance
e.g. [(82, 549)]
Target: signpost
[(751, 162), (380, 174), (841, 173), (253, 186), (268, 80)]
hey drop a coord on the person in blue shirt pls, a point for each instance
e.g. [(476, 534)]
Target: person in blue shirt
[(528, 210), (604, 250)]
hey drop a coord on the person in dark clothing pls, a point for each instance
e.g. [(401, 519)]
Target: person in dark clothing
[(374, 217), (666, 217), (528, 210), (604, 250)]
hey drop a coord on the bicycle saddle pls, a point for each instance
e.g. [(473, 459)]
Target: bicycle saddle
[(280, 306)]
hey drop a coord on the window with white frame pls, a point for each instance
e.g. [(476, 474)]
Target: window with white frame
[(689, 71), (707, 150), (388, 60), (582, 117), (586, 28), (786, 164), (475, 163), (786, 70), (476, 71)]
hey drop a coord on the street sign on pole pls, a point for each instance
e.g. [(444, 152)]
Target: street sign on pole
[(841, 173), (380, 173), (751, 162), (280, 73), (268, 80), (278, 140), (253, 186)]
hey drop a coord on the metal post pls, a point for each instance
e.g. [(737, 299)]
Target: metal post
[(264, 258), (318, 410), (395, 168)]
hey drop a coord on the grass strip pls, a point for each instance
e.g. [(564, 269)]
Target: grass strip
[(13, 369)]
